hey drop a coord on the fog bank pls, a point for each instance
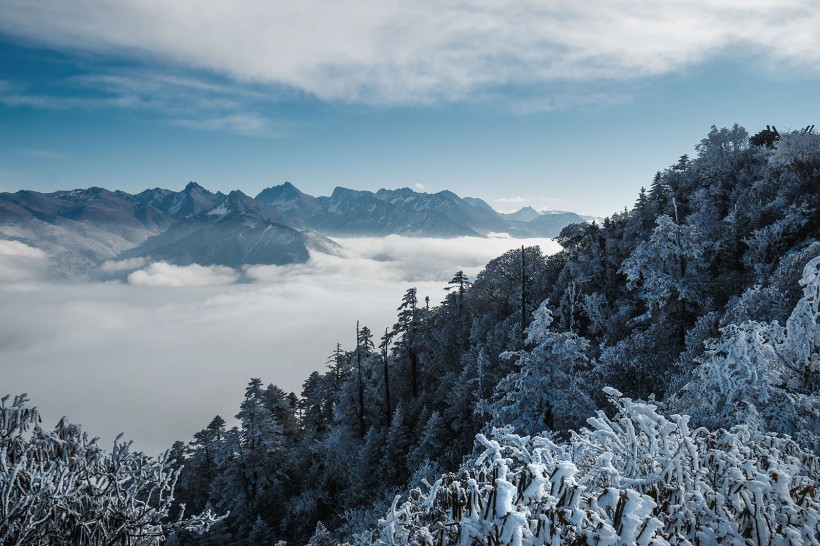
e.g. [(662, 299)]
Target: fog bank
[(158, 355)]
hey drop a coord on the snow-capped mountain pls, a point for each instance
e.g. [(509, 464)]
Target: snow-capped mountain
[(237, 230), (287, 199), (348, 212), (82, 228), (179, 205)]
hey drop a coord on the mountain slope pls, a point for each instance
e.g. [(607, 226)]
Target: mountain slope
[(81, 228), (236, 231), (287, 199)]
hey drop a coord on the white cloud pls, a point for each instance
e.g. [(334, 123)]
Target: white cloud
[(409, 258), (391, 51), (242, 123), (158, 362), (165, 274), (400, 259), (186, 102), (16, 249), (120, 266), (20, 262)]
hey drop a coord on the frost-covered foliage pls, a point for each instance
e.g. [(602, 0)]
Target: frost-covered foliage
[(800, 347), (637, 478), (765, 375), (666, 267), (59, 487), (690, 299), (545, 391), (796, 146)]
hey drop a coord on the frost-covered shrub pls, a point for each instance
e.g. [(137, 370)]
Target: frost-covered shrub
[(764, 374), (59, 487), (638, 478), (800, 348), (795, 146)]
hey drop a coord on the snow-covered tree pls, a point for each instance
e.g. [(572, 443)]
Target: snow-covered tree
[(796, 147), (666, 268), (544, 392), (252, 461), (397, 445), (801, 347), (459, 284), (405, 333), (198, 475), (738, 371), (60, 487), (764, 374)]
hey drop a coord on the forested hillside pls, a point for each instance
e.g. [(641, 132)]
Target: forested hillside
[(701, 300)]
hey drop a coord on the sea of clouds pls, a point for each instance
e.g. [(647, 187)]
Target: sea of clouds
[(159, 349)]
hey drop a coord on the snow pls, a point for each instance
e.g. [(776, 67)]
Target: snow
[(176, 204), (638, 478), (219, 210)]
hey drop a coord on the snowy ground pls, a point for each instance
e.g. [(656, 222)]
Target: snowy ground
[(158, 356)]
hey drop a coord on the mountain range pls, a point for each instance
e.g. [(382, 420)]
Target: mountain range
[(81, 229)]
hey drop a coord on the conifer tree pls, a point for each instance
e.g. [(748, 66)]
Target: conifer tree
[(406, 326), (385, 343)]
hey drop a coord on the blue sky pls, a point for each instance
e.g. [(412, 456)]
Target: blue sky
[(558, 105)]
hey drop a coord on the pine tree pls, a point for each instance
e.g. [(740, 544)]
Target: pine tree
[(360, 379), (407, 326), (385, 343), (461, 283), (397, 444)]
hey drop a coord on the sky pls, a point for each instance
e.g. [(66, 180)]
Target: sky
[(553, 104), (158, 356)]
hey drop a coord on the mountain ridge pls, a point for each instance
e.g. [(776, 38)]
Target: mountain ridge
[(82, 228)]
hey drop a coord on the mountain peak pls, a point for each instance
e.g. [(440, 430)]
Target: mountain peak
[(404, 191), (192, 200), (237, 194), (340, 191), (282, 193), (448, 194), (524, 214), (236, 201), (288, 198)]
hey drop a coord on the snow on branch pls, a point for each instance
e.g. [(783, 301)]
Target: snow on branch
[(60, 487), (637, 478)]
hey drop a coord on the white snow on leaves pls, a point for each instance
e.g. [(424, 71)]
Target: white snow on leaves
[(637, 478)]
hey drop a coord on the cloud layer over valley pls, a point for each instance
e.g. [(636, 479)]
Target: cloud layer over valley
[(158, 355)]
